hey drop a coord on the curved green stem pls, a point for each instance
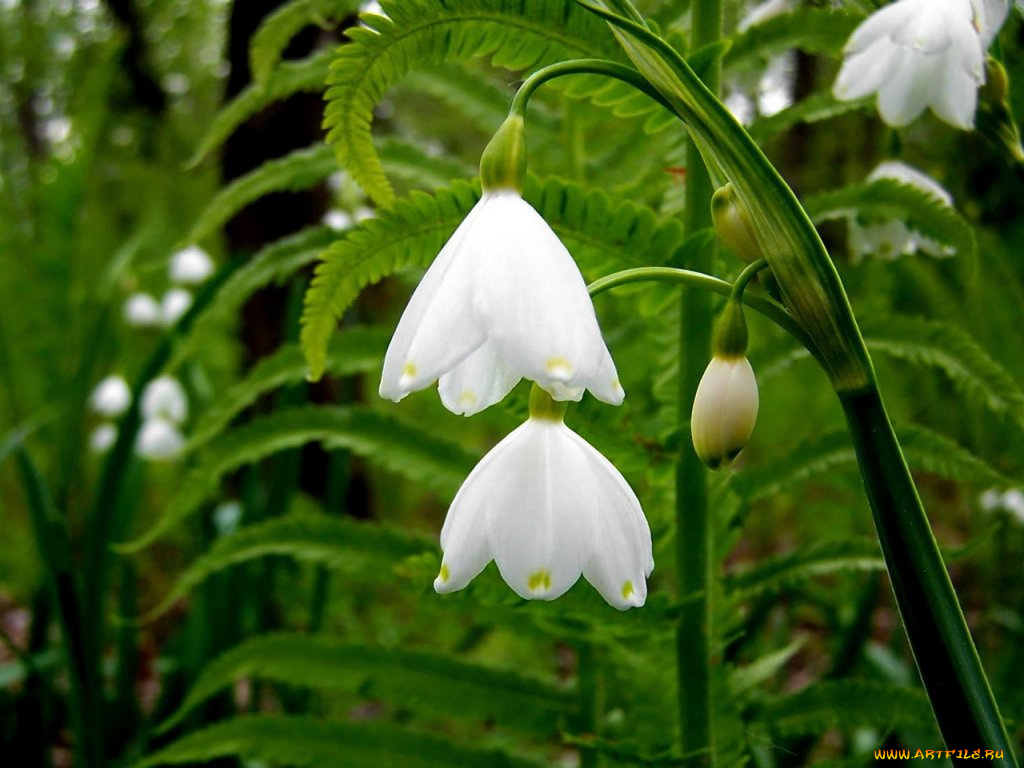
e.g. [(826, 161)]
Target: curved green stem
[(770, 308), (745, 277)]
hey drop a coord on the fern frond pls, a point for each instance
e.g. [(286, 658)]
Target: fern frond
[(515, 34), (889, 198), (766, 667), (813, 109), (296, 171), (305, 742), (289, 78), (273, 264), (278, 29), (409, 162), (813, 30), (597, 231), (847, 705), (475, 100), (969, 368), (408, 450), (781, 573), (415, 680), (334, 542), (357, 350)]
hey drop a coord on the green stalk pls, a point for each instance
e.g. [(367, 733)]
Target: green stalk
[(591, 690), (695, 636)]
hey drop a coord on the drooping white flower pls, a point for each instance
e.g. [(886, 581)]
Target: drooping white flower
[(546, 506), (891, 238), (111, 397), (174, 304), (102, 438), (190, 266), (164, 398), (159, 439), (919, 54), (503, 300), (337, 219), (142, 311), (724, 410)]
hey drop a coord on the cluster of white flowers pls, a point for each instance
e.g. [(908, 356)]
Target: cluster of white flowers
[(1011, 502), (891, 238), (922, 54), (163, 408), (188, 267)]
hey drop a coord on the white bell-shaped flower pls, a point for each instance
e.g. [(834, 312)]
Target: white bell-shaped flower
[(547, 507), (173, 305), (103, 438), (111, 397), (164, 398), (159, 439), (503, 300), (919, 54), (892, 238), (190, 266), (142, 311), (724, 410)]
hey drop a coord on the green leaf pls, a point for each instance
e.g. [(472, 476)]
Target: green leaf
[(599, 232), (848, 705), (515, 34), (758, 671), (275, 263), (410, 163), (334, 542), (891, 199), (305, 742), (780, 573), (969, 368), (296, 171), (813, 30), (289, 78), (813, 109), (415, 680), (408, 450), (357, 350), (278, 29)]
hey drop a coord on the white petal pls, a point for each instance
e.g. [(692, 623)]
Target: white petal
[(622, 557), (111, 397), (605, 385), (174, 304), (893, 169), (438, 328), (989, 16), (159, 439), (479, 381), (142, 310), (102, 438), (540, 515), (957, 100), (534, 301), (164, 398), (190, 266), (909, 88), (865, 72), (882, 24)]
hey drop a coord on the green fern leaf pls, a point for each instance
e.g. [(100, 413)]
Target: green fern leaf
[(847, 705), (334, 542), (296, 171), (274, 264), (970, 369), (409, 162), (813, 30), (289, 78), (474, 100), (758, 671), (599, 233), (889, 198), (514, 34), (425, 458), (357, 350), (813, 109), (278, 29), (781, 573), (415, 680), (304, 742)]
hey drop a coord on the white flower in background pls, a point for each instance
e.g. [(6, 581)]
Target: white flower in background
[(741, 106), (190, 266), (547, 507), (919, 54), (102, 438), (111, 397), (776, 88), (724, 410), (1011, 502), (164, 398), (227, 516), (372, 6), (337, 220), (159, 439), (503, 300), (142, 310), (761, 12), (174, 304), (363, 213), (892, 238)]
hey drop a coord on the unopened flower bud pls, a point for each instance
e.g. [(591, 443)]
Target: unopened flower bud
[(732, 223), (724, 410), (503, 163)]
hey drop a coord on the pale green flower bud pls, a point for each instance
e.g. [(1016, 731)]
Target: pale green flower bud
[(732, 223), (724, 410)]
